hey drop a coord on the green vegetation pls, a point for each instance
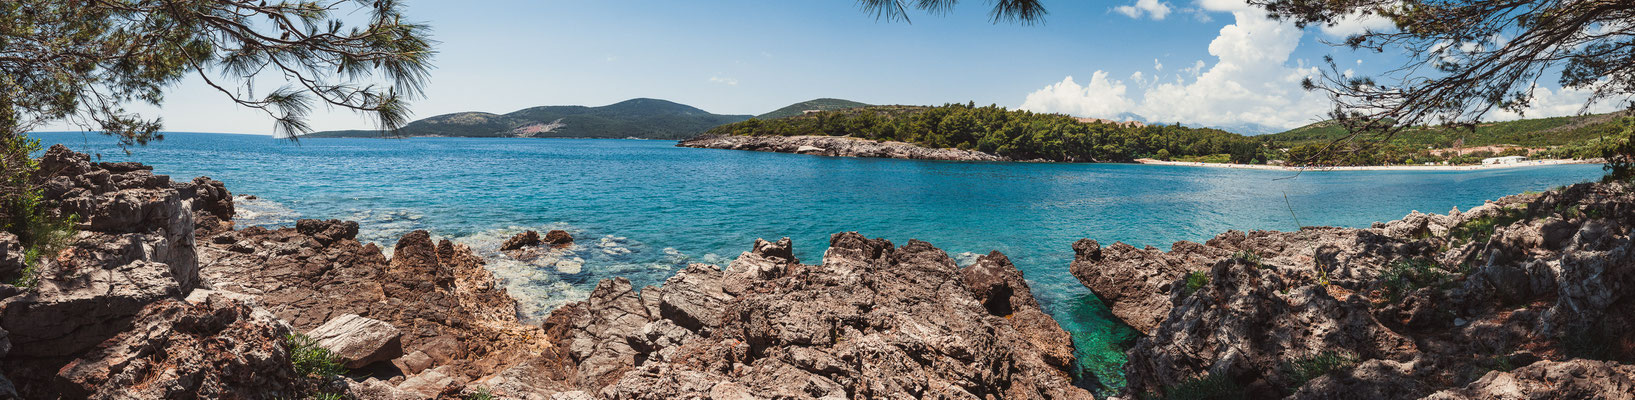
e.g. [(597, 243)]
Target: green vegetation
[(1202, 387), (309, 359), (1619, 151), (25, 213), (824, 104), (1578, 137), (481, 394), (1016, 134), (639, 118), (1247, 256), (1304, 369), (1407, 276), (1479, 230), (1194, 281)]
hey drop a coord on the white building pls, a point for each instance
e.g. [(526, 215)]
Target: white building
[(1503, 160)]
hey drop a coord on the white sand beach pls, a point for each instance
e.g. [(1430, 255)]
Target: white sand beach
[(1531, 163)]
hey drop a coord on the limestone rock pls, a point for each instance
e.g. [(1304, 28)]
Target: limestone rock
[(837, 146), (220, 348), (357, 341), (528, 238), (558, 238)]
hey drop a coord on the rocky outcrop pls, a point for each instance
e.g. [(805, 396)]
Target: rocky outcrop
[(208, 347), (134, 247), (836, 146), (1576, 379), (873, 320), (524, 239), (357, 341), (1400, 310)]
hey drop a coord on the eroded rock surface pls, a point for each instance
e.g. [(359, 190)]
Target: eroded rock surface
[(1408, 308), (357, 341), (873, 320)]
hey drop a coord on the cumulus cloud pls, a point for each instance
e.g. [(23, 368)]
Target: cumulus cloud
[(1557, 103), (724, 80), (1357, 24), (1252, 81), (1149, 8)]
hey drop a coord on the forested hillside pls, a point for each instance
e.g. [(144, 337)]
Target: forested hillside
[(635, 118), (1016, 134)]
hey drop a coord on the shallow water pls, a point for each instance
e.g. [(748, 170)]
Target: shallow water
[(642, 209)]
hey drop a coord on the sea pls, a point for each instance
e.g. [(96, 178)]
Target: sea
[(643, 209)]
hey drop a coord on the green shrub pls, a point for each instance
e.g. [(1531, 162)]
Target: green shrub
[(1410, 275), (1247, 256), (1194, 281), (310, 359), (1205, 387), (25, 212), (1479, 230), (480, 394), (1304, 369)]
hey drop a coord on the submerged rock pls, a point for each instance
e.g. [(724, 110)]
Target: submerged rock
[(528, 238)]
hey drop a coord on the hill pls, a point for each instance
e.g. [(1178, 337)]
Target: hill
[(638, 118), (1539, 132), (824, 104)]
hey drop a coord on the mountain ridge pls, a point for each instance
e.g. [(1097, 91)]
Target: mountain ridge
[(643, 118)]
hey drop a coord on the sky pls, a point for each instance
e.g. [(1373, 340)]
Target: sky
[(1213, 63)]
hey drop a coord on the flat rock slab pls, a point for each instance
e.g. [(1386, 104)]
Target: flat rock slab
[(359, 341)]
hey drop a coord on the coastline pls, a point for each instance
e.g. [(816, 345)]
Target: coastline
[(1534, 163)]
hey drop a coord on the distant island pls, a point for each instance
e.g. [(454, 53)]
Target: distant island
[(640, 118), (966, 132)]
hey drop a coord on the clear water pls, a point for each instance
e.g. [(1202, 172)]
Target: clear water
[(642, 209)]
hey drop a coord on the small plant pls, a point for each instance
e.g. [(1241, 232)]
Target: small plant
[(1479, 230), (1194, 281), (1410, 275), (310, 359), (1205, 387), (1248, 257), (1304, 369), (480, 394), (327, 396)]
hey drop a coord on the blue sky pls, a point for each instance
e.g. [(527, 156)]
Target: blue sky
[(1206, 62)]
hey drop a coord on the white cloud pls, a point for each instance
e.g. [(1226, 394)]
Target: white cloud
[(1251, 82), (1150, 8), (1157, 66), (1557, 103), (724, 80), (1357, 24)]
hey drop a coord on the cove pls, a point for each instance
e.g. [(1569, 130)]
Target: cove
[(644, 209)]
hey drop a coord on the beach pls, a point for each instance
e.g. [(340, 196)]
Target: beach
[(1532, 163)]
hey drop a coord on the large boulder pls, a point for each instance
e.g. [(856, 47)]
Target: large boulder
[(1575, 379), (528, 238), (357, 341)]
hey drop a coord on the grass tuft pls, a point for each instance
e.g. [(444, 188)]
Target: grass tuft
[(310, 359), (1194, 281), (1304, 369), (1410, 275)]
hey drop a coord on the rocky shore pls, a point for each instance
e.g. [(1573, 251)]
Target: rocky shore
[(836, 146), (160, 296), (1532, 296)]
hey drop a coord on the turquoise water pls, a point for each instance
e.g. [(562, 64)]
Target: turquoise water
[(642, 209)]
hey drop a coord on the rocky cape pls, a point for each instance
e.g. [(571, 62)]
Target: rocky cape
[(1531, 296), (836, 146)]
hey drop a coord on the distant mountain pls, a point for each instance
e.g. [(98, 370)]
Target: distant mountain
[(824, 104), (638, 118)]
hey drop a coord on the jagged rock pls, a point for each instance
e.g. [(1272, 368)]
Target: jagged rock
[(357, 341), (837, 146), (219, 348), (1416, 304), (558, 238), (135, 248), (873, 320), (327, 232), (212, 205), (529, 238), (1575, 379), (11, 257), (1137, 284), (439, 295)]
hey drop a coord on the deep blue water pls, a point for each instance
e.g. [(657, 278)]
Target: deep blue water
[(642, 209)]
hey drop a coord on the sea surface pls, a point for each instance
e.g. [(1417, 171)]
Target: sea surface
[(644, 209)]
